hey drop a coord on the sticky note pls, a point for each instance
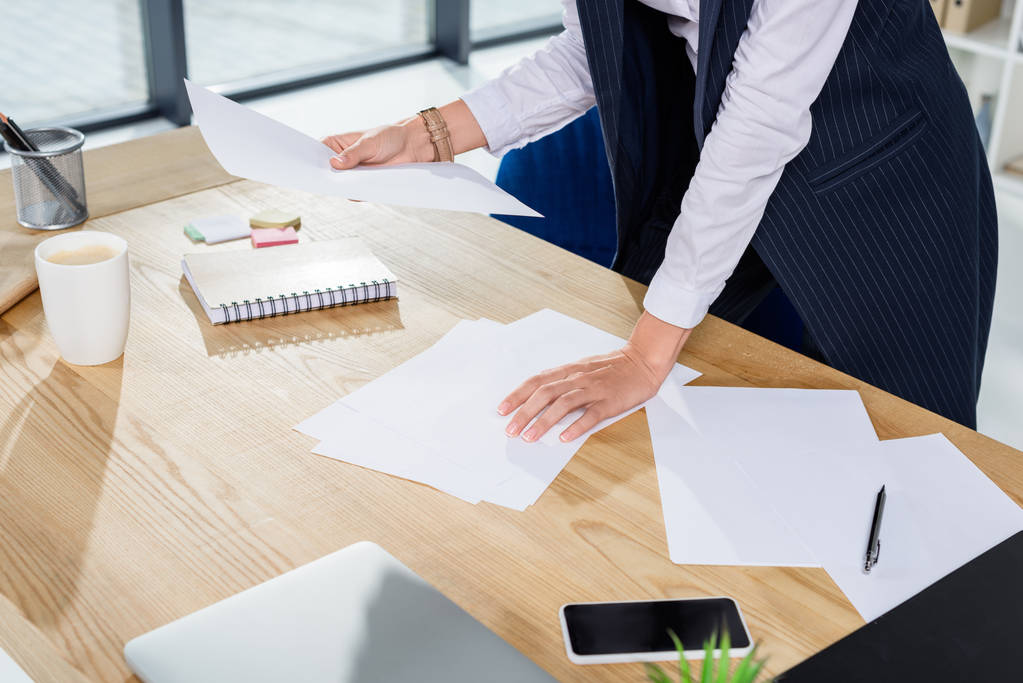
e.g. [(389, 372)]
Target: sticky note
[(272, 237), (275, 218), (194, 234), (214, 229)]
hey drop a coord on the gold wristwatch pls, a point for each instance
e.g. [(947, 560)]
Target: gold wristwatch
[(439, 135)]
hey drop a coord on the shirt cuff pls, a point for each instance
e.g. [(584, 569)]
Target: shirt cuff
[(490, 109), (666, 300)]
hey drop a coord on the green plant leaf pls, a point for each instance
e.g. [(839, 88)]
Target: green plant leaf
[(756, 670), (708, 659), (684, 676), (747, 670), (725, 646), (744, 670), (656, 674)]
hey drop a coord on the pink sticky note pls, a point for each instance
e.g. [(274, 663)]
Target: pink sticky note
[(273, 237)]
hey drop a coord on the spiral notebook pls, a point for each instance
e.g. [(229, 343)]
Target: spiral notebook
[(254, 284)]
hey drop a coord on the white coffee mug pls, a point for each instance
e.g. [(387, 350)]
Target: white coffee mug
[(87, 306)]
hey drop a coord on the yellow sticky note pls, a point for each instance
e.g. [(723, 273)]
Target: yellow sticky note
[(275, 218)]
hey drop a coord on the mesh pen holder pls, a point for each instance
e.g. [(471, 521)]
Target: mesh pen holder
[(49, 185)]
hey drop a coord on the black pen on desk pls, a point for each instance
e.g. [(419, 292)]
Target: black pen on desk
[(874, 540)]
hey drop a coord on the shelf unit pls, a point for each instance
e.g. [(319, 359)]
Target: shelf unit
[(990, 62)]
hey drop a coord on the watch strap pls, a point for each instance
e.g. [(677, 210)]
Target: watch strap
[(439, 135)]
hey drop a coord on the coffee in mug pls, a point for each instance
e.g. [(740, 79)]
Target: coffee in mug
[(83, 256), (84, 285)]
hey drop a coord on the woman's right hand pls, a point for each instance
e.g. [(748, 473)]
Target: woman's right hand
[(401, 143)]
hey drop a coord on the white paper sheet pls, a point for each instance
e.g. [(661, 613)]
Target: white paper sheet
[(250, 145), (444, 401), (369, 444), (461, 420), (715, 511), (941, 512)]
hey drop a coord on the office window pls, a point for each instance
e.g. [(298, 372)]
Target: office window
[(234, 40), (61, 59), (488, 18)]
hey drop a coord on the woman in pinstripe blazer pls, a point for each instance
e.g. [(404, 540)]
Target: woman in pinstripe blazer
[(823, 146)]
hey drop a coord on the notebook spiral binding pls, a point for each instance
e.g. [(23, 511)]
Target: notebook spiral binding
[(316, 300)]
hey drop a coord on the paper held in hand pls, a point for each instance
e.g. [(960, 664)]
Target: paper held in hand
[(251, 145)]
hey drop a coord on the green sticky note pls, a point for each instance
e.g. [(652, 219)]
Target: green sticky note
[(194, 234)]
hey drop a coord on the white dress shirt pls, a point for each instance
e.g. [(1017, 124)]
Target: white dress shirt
[(763, 121)]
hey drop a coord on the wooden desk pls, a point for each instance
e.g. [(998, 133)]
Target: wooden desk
[(134, 493), (117, 178)]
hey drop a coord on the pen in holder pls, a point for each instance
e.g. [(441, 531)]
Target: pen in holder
[(49, 184)]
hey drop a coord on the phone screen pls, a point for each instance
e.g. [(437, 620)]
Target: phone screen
[(633, 627)]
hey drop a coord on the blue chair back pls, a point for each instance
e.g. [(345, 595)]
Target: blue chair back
[(565, 177)]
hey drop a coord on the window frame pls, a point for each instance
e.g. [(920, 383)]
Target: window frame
[(166, 55)]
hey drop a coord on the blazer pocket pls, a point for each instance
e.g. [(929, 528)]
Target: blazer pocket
[(874, 151)]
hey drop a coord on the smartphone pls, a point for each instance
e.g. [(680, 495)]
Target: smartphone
[(637, 631)]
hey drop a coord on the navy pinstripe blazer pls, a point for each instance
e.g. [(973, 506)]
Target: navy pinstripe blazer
[(882, 231)]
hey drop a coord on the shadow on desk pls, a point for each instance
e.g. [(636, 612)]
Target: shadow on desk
[(54, 449), (257, 336)]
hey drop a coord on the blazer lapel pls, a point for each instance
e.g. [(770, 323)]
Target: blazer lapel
[(602, 23), (709, 11)]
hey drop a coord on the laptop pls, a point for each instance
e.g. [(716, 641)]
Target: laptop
[(10, 672), (356, 615)]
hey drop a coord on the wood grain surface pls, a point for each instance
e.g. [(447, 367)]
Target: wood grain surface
[(117, 178), (31, 650), (137, 492)]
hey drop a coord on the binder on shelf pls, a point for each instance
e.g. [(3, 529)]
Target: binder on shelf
[(1015, 165), (962, 16), (939, 7), (255, 284)]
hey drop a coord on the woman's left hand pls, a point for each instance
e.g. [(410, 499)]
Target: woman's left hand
[(604, 386)]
